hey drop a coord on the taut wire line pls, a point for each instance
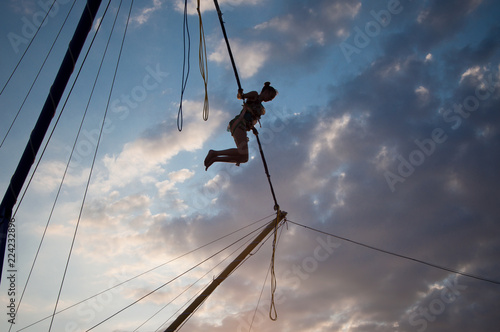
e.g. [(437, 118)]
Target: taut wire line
[(440, 267)]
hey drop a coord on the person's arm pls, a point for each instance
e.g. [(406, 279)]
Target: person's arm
[(252, 95)]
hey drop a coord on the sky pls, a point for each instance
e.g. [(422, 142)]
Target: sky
[(385, 132)]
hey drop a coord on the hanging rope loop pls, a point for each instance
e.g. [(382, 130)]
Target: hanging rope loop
[(186, 38), (203, 62), (273, 314)]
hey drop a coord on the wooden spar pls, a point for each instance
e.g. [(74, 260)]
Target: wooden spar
[(48, 111), (227, 271)]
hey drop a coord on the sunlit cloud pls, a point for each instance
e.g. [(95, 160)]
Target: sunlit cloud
[(146, 12), (250, 56), (149, 154)]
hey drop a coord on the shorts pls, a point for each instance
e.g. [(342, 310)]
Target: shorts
[(241, 140)]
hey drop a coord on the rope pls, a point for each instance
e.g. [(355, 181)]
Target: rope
[(175, 278), (104, 119), (185, 71), (227, 43), (146, 272), (93, 163), (27, 48), (69, 159), (260, 296), (273, 314), (276, 205), (203, 62), (204, 288), (161, 327), (190, 314), (447, 269), (194, 283), (37, 75)]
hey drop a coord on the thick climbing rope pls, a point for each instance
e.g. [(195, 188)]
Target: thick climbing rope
[(276, 205), (227, 43), (272, 311)]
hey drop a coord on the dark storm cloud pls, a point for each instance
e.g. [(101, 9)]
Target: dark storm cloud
[(329, 169), (301, 34)]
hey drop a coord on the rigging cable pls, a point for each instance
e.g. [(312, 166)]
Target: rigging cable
[(258, 301), (67, 165), (496, 282), (27, 48), (203, 62), (37, 75), (183, 306), (144, 273), (93, 161), (185, 69), (173, 279)]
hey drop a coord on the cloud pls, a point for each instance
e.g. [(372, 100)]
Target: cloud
[(209, 5), (150, 153), (146, 12), (475, 72), (434, 22), (168, 186), (327, 162), (304, 34), (97, 23), (49, 176), (441, 16), (250, 56), (26, 7), (328, 172), (422, 93)]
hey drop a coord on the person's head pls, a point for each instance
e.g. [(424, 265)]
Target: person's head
[(268, 92)]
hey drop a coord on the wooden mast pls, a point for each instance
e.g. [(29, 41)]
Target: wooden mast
[(48, 111), (227, 271)]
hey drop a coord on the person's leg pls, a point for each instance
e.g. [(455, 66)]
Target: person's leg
[(235, 155), (241, 141)]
